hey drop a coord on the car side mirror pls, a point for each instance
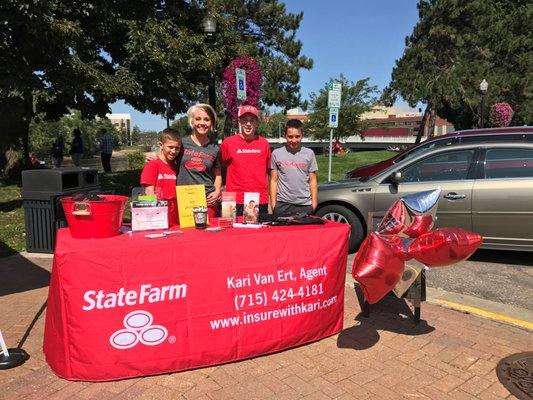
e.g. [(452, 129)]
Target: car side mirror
[(397, 178)]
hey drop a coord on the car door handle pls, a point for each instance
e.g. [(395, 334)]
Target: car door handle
[(454, 196)]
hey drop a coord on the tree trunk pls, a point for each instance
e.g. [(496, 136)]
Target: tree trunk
[(423, 123), (431, 123), (15, 116), (228, 125)]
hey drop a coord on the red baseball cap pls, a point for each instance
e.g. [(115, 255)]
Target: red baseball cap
[(248, 109)]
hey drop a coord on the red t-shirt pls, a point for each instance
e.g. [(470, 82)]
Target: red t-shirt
[(163, 176), (248, 163)]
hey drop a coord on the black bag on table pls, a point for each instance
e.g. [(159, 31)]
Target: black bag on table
[(297, 219)]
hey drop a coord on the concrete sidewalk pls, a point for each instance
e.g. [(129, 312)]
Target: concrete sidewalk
[(449, 355)]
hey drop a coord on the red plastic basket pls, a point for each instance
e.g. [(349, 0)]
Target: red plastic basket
[(94, 219)]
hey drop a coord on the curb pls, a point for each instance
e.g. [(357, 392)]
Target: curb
[(504, 313), (495, 311), (25, 254)]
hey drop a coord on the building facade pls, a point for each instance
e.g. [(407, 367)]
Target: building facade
[(123, 124), (395, 121)]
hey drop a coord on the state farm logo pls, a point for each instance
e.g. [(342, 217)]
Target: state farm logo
[(100, 300), (138, 328), (248, 151), (195, 163), (166, 176)]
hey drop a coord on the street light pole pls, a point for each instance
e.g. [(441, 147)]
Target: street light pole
[(209, 25), (212, 94), (167, 113), (483, 87)]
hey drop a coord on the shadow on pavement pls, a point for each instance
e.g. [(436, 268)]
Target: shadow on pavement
[(11, 205), (6, 251), (19, 274), (390, 314), (503, 257)]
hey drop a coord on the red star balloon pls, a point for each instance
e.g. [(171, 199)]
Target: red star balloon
[(405, 233)]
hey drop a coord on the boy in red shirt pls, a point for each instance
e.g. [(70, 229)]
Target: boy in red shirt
[(247, 157), (159, 175)]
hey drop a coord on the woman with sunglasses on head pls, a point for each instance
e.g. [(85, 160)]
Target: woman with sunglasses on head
[(199, 162)]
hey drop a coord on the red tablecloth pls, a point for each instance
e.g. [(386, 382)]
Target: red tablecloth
[(131, 306)]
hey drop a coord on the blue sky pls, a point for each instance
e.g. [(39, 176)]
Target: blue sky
[(358, 38)]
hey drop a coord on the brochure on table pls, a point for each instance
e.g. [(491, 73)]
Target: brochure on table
[(229, 205), (148, 213), (250, 213), (189, 197)]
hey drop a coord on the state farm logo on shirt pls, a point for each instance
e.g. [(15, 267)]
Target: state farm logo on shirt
[(195, 163), (138, 327), (166, 176), (248, 151), (294, 164)]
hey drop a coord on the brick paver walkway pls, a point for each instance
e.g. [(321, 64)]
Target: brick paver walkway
[(450, 355)]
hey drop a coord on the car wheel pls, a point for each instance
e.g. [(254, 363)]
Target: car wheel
[(346, 216)]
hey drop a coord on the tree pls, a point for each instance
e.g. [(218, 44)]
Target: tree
[(357, 98), (43, 133), (457, 44), (272, 126), (135, 135), (61, 55), (148, 140)]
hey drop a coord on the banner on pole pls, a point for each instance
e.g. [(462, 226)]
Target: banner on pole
[(334, 94), (333, 118), (241, 83)]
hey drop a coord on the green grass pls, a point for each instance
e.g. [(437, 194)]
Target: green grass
[(340, 164), (121, 182), (12, 233)]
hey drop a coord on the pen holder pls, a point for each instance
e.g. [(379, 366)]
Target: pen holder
[(200, 217)]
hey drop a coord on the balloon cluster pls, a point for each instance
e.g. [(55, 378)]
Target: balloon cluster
[(405, 233)]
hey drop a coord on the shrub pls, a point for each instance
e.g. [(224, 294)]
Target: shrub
[(501, 114), (136, 160)]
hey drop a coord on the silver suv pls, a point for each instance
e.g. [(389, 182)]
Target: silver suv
[(486, 188)]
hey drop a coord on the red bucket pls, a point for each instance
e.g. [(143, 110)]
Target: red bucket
[(94, 219)]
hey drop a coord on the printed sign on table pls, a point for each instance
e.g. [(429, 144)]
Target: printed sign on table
[(189, 196), (203, 299)]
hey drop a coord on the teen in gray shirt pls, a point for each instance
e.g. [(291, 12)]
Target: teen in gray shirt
[(293, 183)]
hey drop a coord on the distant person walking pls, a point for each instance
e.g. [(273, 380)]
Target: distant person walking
[(57, 152), (76, 147), (106, 149), (35, 163)]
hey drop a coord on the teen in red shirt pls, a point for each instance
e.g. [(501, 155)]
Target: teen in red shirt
[(247, 157), (159, 175)]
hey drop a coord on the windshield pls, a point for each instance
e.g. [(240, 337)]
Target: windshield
[(419, 149)]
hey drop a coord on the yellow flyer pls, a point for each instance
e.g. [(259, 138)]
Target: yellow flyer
[(189, 196)]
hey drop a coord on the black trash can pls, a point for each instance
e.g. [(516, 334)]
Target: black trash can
[(43, 214)]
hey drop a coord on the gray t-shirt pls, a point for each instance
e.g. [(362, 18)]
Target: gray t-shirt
[(196, 164), (293, 174)]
